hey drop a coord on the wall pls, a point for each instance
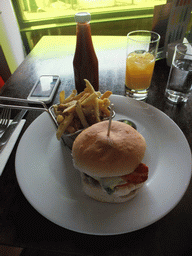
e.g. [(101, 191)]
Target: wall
[(10, 38)]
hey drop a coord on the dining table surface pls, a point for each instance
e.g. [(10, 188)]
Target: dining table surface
[(21, 225)]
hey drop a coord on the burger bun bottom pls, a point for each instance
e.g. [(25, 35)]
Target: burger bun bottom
[(121, 194)]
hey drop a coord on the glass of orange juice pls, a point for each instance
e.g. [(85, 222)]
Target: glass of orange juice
[(142, 46)]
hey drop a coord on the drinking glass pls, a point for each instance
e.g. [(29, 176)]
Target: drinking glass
[(142, 46), (179, 84)]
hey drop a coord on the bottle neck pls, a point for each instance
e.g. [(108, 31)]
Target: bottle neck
[(83, 31)]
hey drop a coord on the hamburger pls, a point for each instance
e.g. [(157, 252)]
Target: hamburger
[(110, 166)]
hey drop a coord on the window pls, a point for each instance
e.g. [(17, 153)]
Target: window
[(32, 10), (37, 18)]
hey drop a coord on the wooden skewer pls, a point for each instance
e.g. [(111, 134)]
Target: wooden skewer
[(110, 119)]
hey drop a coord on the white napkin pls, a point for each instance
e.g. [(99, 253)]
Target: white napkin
[(5, 153)]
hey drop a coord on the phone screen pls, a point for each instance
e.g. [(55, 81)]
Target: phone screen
[(44, 86)]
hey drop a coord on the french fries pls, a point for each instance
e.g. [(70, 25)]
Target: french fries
[(63, 125), (62, 97), (78, 111), (81, 115)]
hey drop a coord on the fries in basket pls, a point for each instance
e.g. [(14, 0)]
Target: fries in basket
[(78, 111)]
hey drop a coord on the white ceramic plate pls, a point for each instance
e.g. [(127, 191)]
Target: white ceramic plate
[(50, 183)]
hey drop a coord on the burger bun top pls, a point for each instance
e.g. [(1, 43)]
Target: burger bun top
[(97, 154)]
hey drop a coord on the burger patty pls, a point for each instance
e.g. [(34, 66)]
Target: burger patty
[(139, 175)]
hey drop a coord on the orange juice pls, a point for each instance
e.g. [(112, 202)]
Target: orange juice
[(139, 70)]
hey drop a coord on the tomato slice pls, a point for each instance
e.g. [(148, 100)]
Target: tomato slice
[(140, 175)]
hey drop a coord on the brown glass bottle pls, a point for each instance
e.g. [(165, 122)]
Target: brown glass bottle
[(85, 62)]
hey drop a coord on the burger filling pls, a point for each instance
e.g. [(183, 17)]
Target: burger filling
[(139, 175)]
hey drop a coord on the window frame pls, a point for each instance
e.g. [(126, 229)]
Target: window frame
[(145, 13)]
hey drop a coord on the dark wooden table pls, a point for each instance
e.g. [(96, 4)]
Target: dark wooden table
[(22, 226)]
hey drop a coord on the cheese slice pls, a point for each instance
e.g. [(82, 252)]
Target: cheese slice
[(109, 184)]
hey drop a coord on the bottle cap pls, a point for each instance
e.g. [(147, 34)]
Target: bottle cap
[(82, 17)]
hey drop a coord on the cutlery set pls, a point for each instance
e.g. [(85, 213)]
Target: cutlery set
[(10, 128), (4, 119), (7, 129)]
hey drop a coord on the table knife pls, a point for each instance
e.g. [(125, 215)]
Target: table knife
[(10, 129)]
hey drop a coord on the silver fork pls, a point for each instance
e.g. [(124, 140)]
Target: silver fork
[(4, 119)]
